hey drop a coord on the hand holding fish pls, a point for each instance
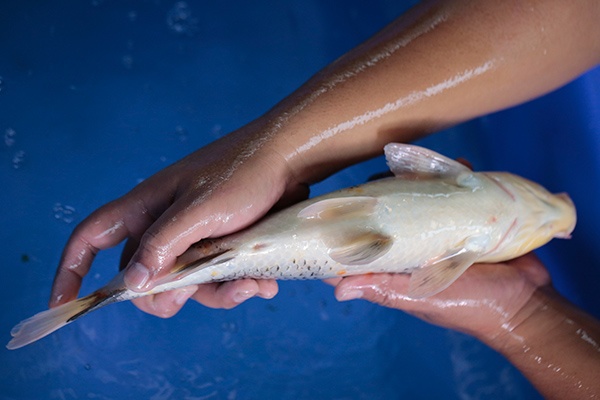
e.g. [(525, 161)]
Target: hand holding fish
[(483, 302), (384, 90), (433, 219), (178, 206), (512, 307)]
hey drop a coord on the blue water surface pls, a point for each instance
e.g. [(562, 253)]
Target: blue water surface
[(97, 95)]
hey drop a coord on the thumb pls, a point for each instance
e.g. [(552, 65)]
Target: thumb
[(155, 255)]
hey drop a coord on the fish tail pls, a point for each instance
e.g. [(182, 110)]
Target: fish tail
[(46, 322)]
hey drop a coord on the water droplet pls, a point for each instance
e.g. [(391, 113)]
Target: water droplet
[(9, 137), (64, 213), (180, 19), (181, 133), (18, 159), (127, 61)]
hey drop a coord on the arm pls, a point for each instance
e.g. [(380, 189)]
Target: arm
[(512, 308), (441, 63), (556, 346)]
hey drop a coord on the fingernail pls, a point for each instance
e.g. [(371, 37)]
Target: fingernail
[(182, 296), (350, 294), (240, 297), (137, 276), (56, 300)]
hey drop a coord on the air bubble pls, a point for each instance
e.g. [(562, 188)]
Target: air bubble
[(64, 213), (18, 159), (127, 61), (9, 137), (181, 133), (180, 19)]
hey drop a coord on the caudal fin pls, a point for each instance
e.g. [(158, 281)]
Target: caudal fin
[(46, 322)]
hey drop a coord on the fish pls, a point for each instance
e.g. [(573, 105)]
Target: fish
[(433, 219)]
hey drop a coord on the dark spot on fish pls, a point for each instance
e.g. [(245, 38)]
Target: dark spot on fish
[(453, 265)]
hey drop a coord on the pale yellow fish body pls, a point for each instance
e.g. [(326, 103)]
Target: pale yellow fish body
[(434, 219)]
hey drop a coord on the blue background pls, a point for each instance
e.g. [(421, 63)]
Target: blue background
[(97, 95)]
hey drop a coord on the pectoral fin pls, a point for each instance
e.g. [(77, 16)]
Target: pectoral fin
[(359, 248), (441, 272), (340, 207)]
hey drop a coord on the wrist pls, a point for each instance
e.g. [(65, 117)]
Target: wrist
[(533, 323)]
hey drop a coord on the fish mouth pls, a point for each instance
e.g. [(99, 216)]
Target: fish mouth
[(569, 207)]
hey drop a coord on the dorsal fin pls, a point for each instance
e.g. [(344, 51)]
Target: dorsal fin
[(414, 162)]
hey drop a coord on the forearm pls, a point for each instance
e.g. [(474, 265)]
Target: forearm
[(441, 63), (556, 346)]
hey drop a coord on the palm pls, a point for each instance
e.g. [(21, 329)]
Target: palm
[(482, 302)]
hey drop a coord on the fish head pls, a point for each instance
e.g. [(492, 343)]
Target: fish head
[(541, 215)]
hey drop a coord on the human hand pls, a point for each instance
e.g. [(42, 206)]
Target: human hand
[(487, 301), (215, 191)]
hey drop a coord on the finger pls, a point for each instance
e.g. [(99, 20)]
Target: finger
[(166, 304), (388, 290), (465, 162), (104, 228), (333, 281), (230, 294), (531, 266), (211, 208), (186, 222), (129, 249)]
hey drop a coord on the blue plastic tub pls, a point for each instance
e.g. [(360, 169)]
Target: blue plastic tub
[(97, 95)]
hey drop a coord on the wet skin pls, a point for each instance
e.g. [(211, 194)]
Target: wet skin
[(392, 87), (439, 64), (511, 307)]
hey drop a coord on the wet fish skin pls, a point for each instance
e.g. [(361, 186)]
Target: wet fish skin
[(433, 219)]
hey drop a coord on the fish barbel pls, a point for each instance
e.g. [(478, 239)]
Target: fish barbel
[(434, 218)]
